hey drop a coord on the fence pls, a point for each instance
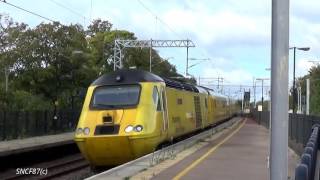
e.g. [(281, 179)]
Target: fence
[(306, 168), (303, 139), (300, 125), (21, 124)]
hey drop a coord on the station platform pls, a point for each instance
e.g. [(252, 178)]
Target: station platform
[(34, 143), (240, 154)]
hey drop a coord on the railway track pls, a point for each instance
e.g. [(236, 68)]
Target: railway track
[(64, 167)]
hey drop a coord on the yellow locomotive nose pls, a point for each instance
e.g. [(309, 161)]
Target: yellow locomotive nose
[(108, 142), (121, 119), (111, 150), (116, 137)]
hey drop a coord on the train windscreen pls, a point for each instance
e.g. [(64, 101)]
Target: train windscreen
[(109, 97)]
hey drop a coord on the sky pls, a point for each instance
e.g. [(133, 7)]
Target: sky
[(235, 35)]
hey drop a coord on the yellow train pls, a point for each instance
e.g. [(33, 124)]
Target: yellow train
[(129, 113)]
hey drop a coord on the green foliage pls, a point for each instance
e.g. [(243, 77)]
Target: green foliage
[(46, 62), (50, 64), (98, 26), (101, 46), (314, 76), (25, 101), (315, 90)]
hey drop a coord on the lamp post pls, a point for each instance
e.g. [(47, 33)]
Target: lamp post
[(262, 79), (254, 93), (294, 74), (279, 90), (269, 104), (6, 74), (73, 93)]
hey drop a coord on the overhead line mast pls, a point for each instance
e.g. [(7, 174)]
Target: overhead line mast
[(120, 45)]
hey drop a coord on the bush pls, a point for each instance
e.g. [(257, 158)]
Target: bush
[(25, 101)]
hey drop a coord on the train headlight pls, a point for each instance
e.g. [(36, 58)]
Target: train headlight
[(79, 131), (138, 128), (128, 129), (86, 131)]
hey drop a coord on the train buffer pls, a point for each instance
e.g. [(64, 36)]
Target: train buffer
[(239, 153)]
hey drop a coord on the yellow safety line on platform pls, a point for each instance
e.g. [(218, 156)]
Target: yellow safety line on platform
[(195, 163)]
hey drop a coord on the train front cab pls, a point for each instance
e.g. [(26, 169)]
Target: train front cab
[(131, 124)]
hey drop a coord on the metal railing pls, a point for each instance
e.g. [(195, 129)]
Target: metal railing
[(303, 139), (22, 124), (300, 125), (306, 169)]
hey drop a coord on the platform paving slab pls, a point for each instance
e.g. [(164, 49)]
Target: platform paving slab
[(243, 157), (33, 143)]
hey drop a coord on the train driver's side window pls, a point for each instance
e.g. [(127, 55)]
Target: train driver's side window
[(156, 98), (206, 103)]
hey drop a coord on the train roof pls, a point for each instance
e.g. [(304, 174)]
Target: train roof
[(219, 95), (212, 92), (127, 76), (179, 85)]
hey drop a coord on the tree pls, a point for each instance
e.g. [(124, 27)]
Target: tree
[(314, 76), (51, 63), (101, 44), (45, 63), (102, 49), (10, 32), (98, 26)]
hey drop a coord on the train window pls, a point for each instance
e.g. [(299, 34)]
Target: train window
[(109, 97), (159, 108), (156, 98), (205, 102), (165, 115), (179, 101), (164, 100), (155, 95)]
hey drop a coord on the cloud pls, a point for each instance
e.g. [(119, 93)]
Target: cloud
[(221, 27), (224, 27), (303, 66), (218, 35), (234, 34), (309, 11)]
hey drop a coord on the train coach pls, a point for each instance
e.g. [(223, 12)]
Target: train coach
[(129, 113)]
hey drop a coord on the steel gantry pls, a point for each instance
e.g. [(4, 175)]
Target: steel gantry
[(120, 45)]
